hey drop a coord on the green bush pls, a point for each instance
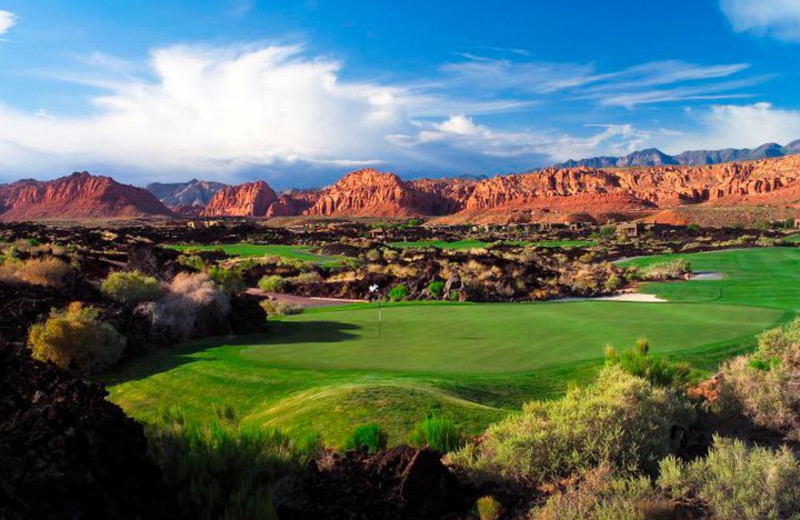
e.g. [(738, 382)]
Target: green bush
[(192, 261), (276, 308), (131, 287), (436, 288), (620, 420), (488, 508), (272, 283), (228, 280), (370, 435), (670, 270), (221, 471), (398, 292), (655, 369), (75, 338), (47, 272), (737, 482), (437, 433)]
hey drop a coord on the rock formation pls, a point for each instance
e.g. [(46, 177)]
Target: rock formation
[(252, 199), (77, 196), (192, 193)]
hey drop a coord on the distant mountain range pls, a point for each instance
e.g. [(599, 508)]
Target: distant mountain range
[(655, 157), (192, 193)]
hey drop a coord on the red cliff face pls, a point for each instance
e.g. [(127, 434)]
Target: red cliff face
[(245, 200), (77, 196)]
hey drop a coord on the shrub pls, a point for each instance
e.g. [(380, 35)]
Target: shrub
[(48, 272), (370, 436), (599, 495), (229, 280), (655, 369), (75, 338), (222, 471), (272, 283), (398, 292), (613, 282), (488, 508), (308, 278), (191, 298), (373, 255), (620, 420), (192, 261), (276, 308), (131, 287), (737, 482), (437, 433), (436, 288), (762, 386), (667, 270)]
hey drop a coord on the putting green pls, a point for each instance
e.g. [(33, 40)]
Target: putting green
[(242, 249)]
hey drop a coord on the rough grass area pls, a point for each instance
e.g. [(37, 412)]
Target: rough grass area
[(327, 372), (477, 244), (244, 250)]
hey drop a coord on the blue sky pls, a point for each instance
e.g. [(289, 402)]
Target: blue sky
[(299, 92)]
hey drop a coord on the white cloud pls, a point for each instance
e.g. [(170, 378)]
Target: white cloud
[(739, 126), (777, 18), (7, 21)]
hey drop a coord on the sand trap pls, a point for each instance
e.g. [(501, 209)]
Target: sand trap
[(701, 276), (624, 297)]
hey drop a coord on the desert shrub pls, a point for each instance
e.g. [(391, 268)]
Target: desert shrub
[(667, 270), (370, 436), (190, 299), (437, 433), (221, 471), (620, 420), (488, 508), (613, 282), (272, 283), (738, 482), (75, 338), (607, 231), (48, 272), (436, 288), (398, 292), (308, 278), (131, 287), (655, 369), (454, 295), (600, 495), (229, 280), (762, 386), (390, 255), (192, 261), (276, 308), (373, 255)]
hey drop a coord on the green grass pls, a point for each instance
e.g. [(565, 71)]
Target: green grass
[(477, 244), (245, 250), (326, 371)]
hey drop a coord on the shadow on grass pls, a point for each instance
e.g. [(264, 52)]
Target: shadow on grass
[(281, 333)]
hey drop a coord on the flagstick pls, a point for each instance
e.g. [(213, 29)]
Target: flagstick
[(379, 319)]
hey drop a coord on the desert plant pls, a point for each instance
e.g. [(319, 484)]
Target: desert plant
[(229, 280), (738, 482), (48, 272), (191, 298), (655, 369), (131, 287), (398, 292), (437, 433), (670, 270), (620, 420), (75, 338), (488, 508), (272, 283), (436, 289), (276, 308), (369, 436)]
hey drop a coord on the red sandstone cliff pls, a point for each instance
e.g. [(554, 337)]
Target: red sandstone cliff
[(252, 199), (77, 196)]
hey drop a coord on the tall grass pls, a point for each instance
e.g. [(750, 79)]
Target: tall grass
[(219, 470), (437, 433)]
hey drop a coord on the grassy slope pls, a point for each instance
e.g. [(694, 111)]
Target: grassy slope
[(326, 372), (259, 250)]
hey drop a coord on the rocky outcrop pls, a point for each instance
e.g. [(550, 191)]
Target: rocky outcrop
[(192, 193), (77, 196), (252, 199), (293, 202)]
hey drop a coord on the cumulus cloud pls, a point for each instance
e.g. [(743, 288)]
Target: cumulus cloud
[(777, 18), (7, 21)]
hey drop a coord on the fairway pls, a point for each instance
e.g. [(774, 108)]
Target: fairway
[(478, 244), (327, 371), (245, 250)]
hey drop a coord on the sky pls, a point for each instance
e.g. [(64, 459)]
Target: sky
[(300, 92)]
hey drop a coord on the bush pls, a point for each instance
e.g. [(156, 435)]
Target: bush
[(370, 436), (191, 299), (398, 292), (655, 369), (272, 283), (221, 471), (737, 482), (192, 261), (437, 433), (620, 420), (308, 278), (276, 308), (131, 287), (75, 338), (48, 272), (436, 289), (671, 270), (228, 280), (599, 495), (488, 508)]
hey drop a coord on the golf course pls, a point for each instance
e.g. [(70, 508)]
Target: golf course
[(330, 369), (245, 250)]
